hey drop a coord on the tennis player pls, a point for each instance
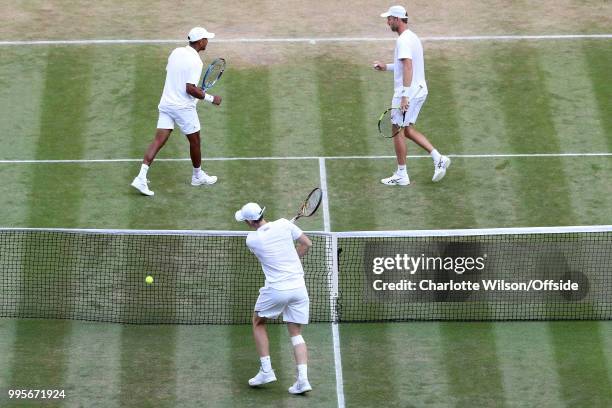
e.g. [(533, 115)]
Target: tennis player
[(178, 105), (284, 290), (410, 93)]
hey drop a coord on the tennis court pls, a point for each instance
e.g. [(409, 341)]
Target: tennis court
[(526, 122)]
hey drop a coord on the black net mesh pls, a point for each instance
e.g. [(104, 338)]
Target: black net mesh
[(519, 277), (101, 277), (202, 278)]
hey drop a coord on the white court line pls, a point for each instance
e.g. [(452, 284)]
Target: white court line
[(312, 40), (464, 156), (333, 295), (325, 198)]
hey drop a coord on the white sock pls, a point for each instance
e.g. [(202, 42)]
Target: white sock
[(266, 363), (197, 171), (435, 155), (401, 170), (302, 372), (143, 171)]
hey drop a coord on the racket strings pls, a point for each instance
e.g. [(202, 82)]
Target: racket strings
[(313, 202), (215, 71), (391, 122), (384, 125)]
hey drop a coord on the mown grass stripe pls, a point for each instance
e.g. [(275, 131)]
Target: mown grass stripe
[(367, 360), (443, 202), (377, 91), (203, 366), (577, 125), (138, 101), (341, 107), (62, 119), (479, 129), (22, 82), (522, 367), (343, 129), (249, 129), (574, 97), (66, 95), (93, 370), (525, 102), (7, 339), (148, 371), (248, 114), (472, 345), (446, 205), (39, 356), (532, 127), (295, 119), (584, 373), (598, 60)]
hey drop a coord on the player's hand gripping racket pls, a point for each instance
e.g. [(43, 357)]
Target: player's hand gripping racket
[(310, 205), (213, 73), (391, 122)]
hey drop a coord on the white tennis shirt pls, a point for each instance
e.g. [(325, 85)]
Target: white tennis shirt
[(184, 67), (273, 245), (408, 45)]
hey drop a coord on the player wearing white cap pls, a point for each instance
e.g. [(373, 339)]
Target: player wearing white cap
[(284, 290), (178, 105), (410, 92)]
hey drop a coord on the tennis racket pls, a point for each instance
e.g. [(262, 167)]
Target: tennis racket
[(310, 205), (387, 126), (213, 73)]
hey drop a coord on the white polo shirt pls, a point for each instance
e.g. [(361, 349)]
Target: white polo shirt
[(184, 67), (408, 45), (273, 245)]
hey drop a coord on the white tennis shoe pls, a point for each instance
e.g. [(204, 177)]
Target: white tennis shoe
[(142, 185), (396, 180), (262, 378), (440, 168), (203, 179), (300, 387)]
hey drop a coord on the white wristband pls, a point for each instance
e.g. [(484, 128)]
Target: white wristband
[(390, 67), (209, 98), (406, 91)]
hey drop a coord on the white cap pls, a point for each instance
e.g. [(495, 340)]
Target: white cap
[(396, 11), (250, 211), (197, 33)]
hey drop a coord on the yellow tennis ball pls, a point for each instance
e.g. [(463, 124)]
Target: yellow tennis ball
[(149, 279)]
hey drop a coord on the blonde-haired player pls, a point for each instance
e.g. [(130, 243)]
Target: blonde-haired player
[(410, 92), (284, 290)]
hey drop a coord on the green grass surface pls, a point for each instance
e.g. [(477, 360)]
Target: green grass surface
[(485, 98)]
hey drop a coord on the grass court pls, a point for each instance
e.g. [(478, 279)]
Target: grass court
[(521, 120)]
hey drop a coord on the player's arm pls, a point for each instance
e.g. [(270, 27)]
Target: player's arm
[(379, 66), (407, 80), (199, 93), (303, 245)]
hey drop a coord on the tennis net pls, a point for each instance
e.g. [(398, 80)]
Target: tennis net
[(210, 277)]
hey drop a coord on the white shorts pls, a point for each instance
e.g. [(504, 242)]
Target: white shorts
[(186, 119), (413, 111), (292, 303)]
